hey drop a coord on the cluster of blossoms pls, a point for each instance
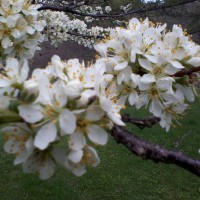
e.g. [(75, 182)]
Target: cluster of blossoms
[(61, 28), (56, 116), (20, 29), (95, 10), (144, 59)]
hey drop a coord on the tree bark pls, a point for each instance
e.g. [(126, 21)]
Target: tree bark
[(156, 153)]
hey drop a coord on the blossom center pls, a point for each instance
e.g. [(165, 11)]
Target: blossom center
[(157, 71), (153, 92)]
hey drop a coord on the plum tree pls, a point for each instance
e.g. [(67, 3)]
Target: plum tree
[(142, 64)]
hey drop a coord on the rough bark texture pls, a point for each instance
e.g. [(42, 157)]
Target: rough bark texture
[(156, 153)]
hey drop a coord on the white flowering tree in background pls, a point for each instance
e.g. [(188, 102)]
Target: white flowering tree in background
[(77, 20), (57, 115)]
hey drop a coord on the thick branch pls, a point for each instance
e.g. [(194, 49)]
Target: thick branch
[(156, 153), (141, 123), (186, 72)]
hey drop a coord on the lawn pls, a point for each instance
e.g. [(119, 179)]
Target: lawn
[(120, 175)]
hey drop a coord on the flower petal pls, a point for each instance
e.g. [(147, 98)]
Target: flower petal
[(76, 141), (75, 156), (45, 135), (31, 113), (47, 169), (147, 78), (121, 66), (97, 134), (67, 121), (79, 170), (145, 64), (59, 155), (94, 113)]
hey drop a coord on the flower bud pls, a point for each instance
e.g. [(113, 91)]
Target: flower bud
[(30, 91), (74, 89)]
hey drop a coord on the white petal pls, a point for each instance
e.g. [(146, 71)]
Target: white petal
[(4, 81), (67, 121), (39, 27), (121, 66), (97, 134), (177, 64), (147, 78), (135, 79), (79, 170), (16, 33), (189, 94), (32, 164), (5, 5), (94, 113), (165, 83), (17, 7), (59, 93), (11, 146), (25, 154), (195, 61), (133, 98), (105, 104), (155, 108), (75, 156), (45, 135), (24, 71), (12, 67), (116, 118), (6, 42), (133, 56), (120, 78), (151, 58), (145, 64), (149, 35), (22, 157), (31, 113), (76, 141), (12, 20), (143, 98), (47, 169), (59, 155), (30, 30)]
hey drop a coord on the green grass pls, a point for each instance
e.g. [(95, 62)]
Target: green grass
[(120, 175)]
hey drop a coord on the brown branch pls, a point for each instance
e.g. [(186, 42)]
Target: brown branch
[(186, 72), (84, 35), (141, 123), (156, 153)]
